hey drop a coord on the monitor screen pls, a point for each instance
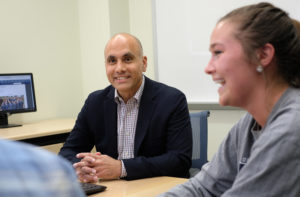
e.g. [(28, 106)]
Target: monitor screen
[(16, 94)]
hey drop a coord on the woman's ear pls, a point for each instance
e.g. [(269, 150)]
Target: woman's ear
[(266, 54)]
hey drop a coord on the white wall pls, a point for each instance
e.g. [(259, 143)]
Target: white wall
[(187, 25), (62, 43)]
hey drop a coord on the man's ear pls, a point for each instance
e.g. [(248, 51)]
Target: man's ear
[(145, 64), (266, 54)]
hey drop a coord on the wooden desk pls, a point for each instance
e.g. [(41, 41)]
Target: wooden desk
[(138, 188), (41, 133)]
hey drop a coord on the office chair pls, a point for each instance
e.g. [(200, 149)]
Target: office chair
[(199, 130)]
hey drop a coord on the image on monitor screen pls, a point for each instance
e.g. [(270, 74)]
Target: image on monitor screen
[(16, 96)]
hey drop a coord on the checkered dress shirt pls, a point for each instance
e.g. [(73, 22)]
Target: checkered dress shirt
[(127, 119)]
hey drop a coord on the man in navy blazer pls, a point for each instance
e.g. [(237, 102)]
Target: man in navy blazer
[(161, 143)]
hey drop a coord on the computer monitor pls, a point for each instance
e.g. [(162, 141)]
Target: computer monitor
[(16, 96)]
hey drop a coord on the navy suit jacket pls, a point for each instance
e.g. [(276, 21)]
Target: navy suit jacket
[(163, 139)]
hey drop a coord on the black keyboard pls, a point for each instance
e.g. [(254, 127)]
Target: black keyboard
[(91, 188)]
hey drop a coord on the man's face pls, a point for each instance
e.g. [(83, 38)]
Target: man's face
[(124, 65)]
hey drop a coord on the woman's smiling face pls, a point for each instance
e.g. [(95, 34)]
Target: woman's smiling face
[(229, 66)]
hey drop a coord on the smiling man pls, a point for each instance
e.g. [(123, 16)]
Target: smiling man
[(140, 128)]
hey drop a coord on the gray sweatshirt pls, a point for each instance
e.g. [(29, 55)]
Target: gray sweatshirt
[(254, 162)]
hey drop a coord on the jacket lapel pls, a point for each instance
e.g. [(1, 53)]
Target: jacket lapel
[(145, 114), (110, 110)]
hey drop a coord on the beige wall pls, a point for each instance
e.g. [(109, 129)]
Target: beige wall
[(140, 16), (42, 37), (62, 43), (94, 31)]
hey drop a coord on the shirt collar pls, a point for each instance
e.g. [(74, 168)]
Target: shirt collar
[(137, 96)]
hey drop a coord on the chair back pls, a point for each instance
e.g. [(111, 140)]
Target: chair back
[(199, 130)]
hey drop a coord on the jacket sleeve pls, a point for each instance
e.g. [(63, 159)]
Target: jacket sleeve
[(79, 139)]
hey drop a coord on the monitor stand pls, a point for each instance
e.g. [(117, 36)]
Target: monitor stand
[(4, 121)]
